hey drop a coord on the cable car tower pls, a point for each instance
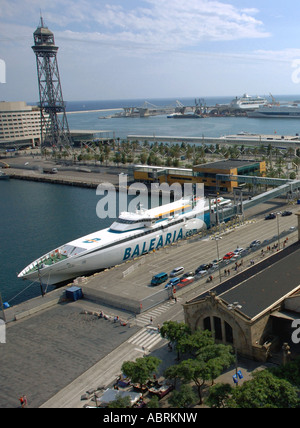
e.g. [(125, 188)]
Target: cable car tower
[(54, 125)]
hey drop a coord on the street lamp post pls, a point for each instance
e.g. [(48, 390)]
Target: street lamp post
[(217, 238), (233, 307), (278, 232)]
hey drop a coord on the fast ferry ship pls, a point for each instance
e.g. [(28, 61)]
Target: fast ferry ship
[(248, 102), (130, 235)]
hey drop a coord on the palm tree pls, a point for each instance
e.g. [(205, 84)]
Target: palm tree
[(106, 153)]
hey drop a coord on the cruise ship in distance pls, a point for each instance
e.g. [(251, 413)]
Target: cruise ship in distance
[(248, 102), (291, 111), (131, 235)]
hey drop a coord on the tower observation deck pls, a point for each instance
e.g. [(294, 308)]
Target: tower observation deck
[(54, 125)]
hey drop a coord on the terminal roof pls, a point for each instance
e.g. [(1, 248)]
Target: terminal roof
[(268, 287), (226, 164), (261, 287)]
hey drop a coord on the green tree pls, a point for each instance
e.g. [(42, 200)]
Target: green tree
[(194, 370), (141, 370), (218, 395), (289, 371), (185, 397), (130, 157), (143, 157), (264, 390), (120, 402), (201, 345), (101, 158), (168, 161), (123, 158), (189, 152), (209, 358), (171, 373), (175, 151), (117, 158), (106, 153), (174, 331), (192, 343), (153, 403), (176, 163)]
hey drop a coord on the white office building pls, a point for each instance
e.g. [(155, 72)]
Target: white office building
[(20, 124)]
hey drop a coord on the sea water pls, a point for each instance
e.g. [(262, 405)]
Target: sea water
[(162, 126), (36, 218)]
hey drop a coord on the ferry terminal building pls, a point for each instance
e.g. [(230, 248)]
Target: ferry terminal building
[(206, 174)]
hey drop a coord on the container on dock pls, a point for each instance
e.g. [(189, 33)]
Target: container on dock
[(74, 293)]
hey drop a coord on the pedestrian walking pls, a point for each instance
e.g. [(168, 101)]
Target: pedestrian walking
[(22, 402)]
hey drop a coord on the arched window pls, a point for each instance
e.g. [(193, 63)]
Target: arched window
[(218, 328), (207, 324), (228, 333)]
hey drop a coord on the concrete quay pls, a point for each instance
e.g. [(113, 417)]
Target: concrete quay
[(31, 168), (76, 178)]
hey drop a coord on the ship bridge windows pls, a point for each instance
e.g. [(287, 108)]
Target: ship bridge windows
[(126, 221), (138, 235)]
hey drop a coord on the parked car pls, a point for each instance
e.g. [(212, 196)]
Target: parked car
[(228, 256), (187, 274), (238, 251), (216, 262), (204, 267), (244, 252), (270, 216), (255, 243), (159, 278), (286, 213), (177, 271), (200, 273), (185, 281), (172, 282)]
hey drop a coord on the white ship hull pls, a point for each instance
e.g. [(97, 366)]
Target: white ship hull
[(276, 113), (130, 236), (116, 254)]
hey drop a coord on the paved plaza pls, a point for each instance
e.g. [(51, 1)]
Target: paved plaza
[(46, 352)]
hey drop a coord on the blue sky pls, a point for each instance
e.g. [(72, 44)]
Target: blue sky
[(119, 49)]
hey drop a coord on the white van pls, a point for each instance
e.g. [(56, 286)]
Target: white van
[(177, 271)]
